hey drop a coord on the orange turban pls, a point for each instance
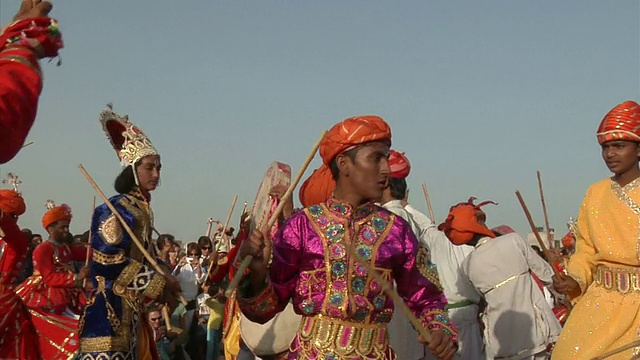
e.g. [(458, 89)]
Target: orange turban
[(462, 223), (12, 203), (342, 137), (58, 213), (569, 240), (621, 123), (399, 164)]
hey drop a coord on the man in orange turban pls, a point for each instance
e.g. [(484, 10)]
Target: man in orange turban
[(498, 268), (340, 229), (602, 273), (342, 137), (54, 291), (19, 339)]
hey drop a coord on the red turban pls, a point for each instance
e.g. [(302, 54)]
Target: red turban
[(399, 164), (342, 137), (621, 123), (569, 240), (12, 203), (462, 223), (58, 213)]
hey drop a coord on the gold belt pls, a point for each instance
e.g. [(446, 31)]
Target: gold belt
[(622, 280), (344, 339)]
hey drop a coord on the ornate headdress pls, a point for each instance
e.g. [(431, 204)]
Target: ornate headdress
[(129, 142), (11, 202)]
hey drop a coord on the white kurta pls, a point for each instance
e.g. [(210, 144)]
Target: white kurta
[(458, 290), (518, 321), (402, 335)]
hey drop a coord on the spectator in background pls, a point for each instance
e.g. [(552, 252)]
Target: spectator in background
[(190, 275), (205, 247)]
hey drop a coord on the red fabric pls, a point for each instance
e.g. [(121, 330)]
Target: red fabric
[(19, 339), (12, 203), (462, 223), (399, 164), (569, 240), (56, 329), (342, 137), (52, 285), (538, 281), (621, 123), (58, 213), (20, 80)]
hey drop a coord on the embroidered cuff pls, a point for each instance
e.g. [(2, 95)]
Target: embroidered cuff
[(580, 281), (155, 287), (439, 320)]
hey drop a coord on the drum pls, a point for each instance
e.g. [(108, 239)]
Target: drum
[(273, 337)]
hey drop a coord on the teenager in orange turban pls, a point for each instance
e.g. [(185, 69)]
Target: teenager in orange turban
[(336, 221), (58, 213), (342, 137), (466, 223), (602, 272)]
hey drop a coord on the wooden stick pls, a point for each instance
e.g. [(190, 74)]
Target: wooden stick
[(86, 260), (272, 220), (226, 223), (133, 236), (544, 211), (544, 248), (391, 292), (426, 196), (535, 231), (167, 321), (616, 351)]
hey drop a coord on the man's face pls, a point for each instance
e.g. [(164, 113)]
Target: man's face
[(148, 172), (620, 156), (368, 172), (59, 231), (154, 319)]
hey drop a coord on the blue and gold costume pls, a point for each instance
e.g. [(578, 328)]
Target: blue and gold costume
[(123, 282)]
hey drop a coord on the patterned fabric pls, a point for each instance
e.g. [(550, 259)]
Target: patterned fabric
[(110, 325), (19, 339), (312, 265), (399, 164), (605, 264), (129, 142), (621, 123), (342, 137)]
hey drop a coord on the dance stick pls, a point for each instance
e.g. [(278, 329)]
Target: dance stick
[(616, 351), (167, 321), (226, 223), (426, 196), (133, 236), (86, 260), (544, 211), (247, 260)]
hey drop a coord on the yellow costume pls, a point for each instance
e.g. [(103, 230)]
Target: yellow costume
[(606, 264)]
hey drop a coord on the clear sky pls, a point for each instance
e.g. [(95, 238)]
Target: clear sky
[(479, 95)]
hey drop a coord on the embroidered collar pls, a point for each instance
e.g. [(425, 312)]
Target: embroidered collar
[(136, 193), (344, 209), (627, 188)]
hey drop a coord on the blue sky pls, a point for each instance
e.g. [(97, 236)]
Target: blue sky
[(479, 95)]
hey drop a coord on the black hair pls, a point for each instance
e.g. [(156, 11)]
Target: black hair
[(398, 188), (193, 246), (163, 239), (333, 165), (125, 181), (204, 241)]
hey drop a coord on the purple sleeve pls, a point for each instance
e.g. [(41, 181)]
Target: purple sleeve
[(424, 298), (283, 273)]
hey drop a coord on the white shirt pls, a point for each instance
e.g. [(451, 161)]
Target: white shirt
[(190, 280), (447, 258)]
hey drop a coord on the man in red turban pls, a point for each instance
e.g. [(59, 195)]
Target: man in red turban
[(19, 339), (342, 137), (339, 231), (602, 272), (54, 292), (498, 268)]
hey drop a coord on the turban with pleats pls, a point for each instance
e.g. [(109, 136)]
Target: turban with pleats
[(621, 123), (12, 203)]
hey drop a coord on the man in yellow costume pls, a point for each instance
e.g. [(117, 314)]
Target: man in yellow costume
[(604, 273)]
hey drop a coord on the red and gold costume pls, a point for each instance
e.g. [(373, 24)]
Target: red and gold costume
[(19, 339), (54, 291), (21, 79)]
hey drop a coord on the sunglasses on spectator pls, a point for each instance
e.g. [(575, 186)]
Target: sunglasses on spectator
[(206, 248)]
